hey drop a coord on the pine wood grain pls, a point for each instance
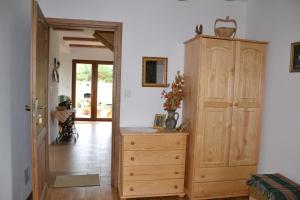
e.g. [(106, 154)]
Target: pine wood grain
[(154, 165), (224, 89)]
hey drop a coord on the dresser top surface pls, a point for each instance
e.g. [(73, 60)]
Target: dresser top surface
[(148, 131)]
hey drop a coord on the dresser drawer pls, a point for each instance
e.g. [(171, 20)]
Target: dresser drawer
[(133, 158), (157, 187), (223, 188), (223, 173), (154, 142), (153, 172)]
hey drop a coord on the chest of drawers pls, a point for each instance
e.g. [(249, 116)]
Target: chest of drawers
[(151, 164)]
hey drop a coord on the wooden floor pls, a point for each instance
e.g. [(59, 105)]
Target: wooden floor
[(89, 155)]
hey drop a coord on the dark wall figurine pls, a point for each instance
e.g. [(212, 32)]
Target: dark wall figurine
[(199, 29)]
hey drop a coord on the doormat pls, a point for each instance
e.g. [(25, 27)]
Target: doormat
[(77, 181)]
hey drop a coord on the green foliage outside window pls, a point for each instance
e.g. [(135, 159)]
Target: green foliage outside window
[(83, 72), (105, 73)]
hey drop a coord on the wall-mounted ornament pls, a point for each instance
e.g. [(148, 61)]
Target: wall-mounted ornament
[(227, 31), (199, 29), (55, 73), (295, 57)]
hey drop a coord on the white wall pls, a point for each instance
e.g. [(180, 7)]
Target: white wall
[(52, 85), (151, 28), (15, 143), (277, 21)]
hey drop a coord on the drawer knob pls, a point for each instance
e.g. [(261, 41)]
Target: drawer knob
[(203, 176), (131, 189), (132, 158), (177, 157), (176, 172), (178, 142), (131, 174), (175, 186), (132, 143)]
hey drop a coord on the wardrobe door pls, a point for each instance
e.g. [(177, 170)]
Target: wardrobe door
[(217, 62), (248, 90)]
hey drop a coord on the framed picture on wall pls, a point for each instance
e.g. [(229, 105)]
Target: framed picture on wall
[(295, 57)]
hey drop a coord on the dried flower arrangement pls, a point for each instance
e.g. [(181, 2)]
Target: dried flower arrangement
[(174, 97)]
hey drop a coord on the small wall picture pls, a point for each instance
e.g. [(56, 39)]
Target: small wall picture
[(295, 57), (159, 121)]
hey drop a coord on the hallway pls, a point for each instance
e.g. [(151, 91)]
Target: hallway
[(91, 154)]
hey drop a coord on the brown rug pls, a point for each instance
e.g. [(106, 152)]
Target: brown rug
[(77, 181)]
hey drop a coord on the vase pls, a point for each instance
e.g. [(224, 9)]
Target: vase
[(171, 120)]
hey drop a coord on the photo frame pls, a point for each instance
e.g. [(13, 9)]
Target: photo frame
[(159, 121), (295, 57)]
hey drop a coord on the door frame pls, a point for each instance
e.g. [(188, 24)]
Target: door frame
[(94, 87), (117, 28), (35, 9)]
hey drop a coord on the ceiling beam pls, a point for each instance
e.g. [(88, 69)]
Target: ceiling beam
[(106, 38), (67, 29), (87, 46), (80, 39)]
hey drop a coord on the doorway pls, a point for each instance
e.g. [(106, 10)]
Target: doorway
[(40, 163), (83, 145), (92, 89), (116, 28)]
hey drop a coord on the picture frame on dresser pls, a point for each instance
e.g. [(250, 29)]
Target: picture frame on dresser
[(159, 121), (295, 57)]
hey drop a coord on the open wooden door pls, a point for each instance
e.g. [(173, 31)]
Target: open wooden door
[(39, 98)]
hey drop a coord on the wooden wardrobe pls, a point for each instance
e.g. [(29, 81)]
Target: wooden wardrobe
[(224, 81)]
